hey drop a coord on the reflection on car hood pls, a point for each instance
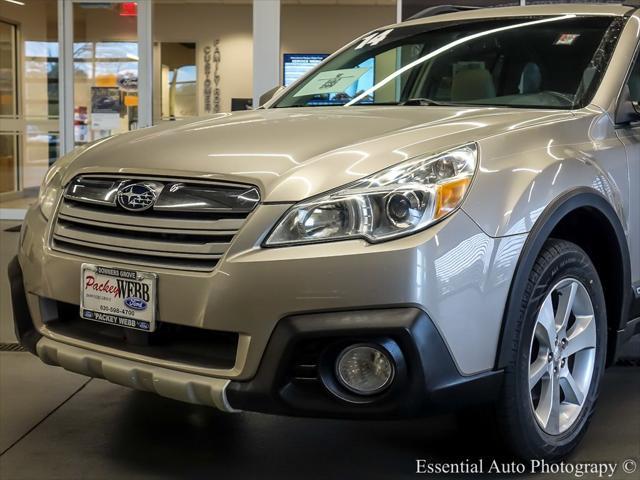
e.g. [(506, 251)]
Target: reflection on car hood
[(291, 154)]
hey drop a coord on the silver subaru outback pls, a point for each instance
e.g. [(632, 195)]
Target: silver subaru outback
[(444, 214)]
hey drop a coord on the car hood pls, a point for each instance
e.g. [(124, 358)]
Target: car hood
[(291, 154)]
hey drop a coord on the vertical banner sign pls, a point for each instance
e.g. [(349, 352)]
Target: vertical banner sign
[(207, 80), (216, 76)]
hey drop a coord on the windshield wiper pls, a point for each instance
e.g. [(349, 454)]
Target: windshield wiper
[(424, 102)]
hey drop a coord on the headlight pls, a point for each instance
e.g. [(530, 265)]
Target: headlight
[(397, 201), (49, 191)]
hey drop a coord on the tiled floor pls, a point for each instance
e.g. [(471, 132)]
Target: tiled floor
[(8, 247), (58, 425), (15, 210), (18, 203)]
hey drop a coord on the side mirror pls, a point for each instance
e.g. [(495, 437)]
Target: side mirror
[(628, 110), (267, 96)]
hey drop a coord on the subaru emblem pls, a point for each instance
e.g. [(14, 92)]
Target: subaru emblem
[(138, 197)]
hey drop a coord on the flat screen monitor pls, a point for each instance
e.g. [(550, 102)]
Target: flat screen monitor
[(239, 104), (295, 65)]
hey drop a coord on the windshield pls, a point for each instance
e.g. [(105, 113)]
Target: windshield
[(540, 62)]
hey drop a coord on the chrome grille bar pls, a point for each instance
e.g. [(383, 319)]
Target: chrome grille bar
[(84, 212), (190, 226), (93, 190), (171, 195)]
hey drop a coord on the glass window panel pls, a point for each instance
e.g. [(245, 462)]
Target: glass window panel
[(82, 50), (29, 142), (41, 150), (105, 71), (117, 50), (186, 74), (115, 68), (8, 166), (41, 49), (8, 103)]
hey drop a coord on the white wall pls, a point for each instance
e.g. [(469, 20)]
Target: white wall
[(202, 24), (325, 29)]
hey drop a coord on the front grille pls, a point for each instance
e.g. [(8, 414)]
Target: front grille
[(174, 233)]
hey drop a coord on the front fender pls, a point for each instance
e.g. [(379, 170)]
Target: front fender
[(521, 173)]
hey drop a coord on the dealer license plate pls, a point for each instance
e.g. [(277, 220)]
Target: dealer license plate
[(126, 298)]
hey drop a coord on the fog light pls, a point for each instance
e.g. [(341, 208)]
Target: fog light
[(365, 369)]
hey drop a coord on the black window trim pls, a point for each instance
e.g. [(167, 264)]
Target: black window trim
[(635, 58)]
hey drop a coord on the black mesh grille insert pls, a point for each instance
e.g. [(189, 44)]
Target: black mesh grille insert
[(170, 342)]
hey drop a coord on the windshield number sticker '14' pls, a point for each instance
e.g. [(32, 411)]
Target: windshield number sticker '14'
[(374, 39)]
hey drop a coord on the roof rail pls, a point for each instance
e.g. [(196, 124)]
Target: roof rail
[(442, 9)]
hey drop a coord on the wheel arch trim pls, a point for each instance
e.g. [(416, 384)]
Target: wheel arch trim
[(550, 218)]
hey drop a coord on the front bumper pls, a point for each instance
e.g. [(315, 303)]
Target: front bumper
[(449, 282), (430, 381), (296, 376), (452, 271)]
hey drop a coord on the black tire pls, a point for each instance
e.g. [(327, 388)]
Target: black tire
[(558, 260)]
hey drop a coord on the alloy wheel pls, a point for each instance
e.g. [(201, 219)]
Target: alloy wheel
[(562, 356)]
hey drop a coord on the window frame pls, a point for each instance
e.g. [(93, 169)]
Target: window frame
[(634, 62)]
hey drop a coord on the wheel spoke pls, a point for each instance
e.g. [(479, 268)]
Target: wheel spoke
[(581, 336), (554, 417), (546, 325), (572, 392), (537, 370), (548, 411), (565, 305)]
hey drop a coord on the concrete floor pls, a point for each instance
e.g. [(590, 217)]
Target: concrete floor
[(58, 425)]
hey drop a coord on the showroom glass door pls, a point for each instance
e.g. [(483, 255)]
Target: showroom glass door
[(105, 61), (29, 121), (105, 70)]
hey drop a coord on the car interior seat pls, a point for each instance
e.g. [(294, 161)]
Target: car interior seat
[(531, 79), (472, 84)]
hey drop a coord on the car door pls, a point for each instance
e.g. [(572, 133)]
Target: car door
[(630, 136)]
